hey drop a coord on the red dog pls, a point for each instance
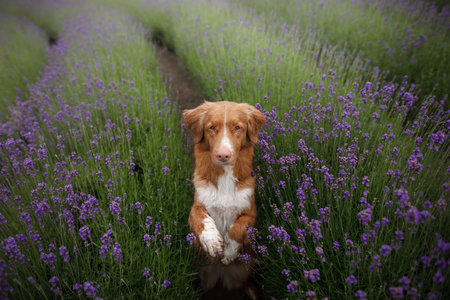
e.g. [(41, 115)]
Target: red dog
[(224, 204)]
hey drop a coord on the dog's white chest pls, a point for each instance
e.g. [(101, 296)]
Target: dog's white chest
[(225, 202)]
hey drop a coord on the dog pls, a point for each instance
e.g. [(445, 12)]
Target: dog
[(224, 206)]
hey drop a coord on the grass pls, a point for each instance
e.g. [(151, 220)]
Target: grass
[(406, 38), (22, 55)]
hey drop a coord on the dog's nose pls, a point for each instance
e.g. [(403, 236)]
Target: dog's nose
[(223, 155)]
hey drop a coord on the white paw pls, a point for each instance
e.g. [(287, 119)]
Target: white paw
[(231, 250), (210, 238)]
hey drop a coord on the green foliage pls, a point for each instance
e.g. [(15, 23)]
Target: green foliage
[(406, 38), (22, 55)]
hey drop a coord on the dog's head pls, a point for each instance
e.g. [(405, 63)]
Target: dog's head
[(224, 128)]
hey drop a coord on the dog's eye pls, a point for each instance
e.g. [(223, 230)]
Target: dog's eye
[(212, 128), (237, 127)]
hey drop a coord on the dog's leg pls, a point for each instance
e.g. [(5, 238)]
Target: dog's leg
[(236, 237), (205, 229)]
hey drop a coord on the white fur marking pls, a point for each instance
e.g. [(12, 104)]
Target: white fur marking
[(231, 250), (225, 202), (210, 238), (225, 142)]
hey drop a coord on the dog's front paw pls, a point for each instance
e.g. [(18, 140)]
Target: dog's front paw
[(231, 250), (212, 242), (210, 238)]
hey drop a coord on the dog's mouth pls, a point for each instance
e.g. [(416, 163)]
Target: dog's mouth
[(221, 163)]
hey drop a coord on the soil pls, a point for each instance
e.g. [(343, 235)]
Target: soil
[(183, 87)]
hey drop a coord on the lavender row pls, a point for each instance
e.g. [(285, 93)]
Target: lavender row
[(352, 194), (94, 180), (403, 37), (23, 53)]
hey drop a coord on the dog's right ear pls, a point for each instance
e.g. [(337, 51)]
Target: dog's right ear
[(193, 119)]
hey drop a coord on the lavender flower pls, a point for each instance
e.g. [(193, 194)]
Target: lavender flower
[(365, 216), (64, 253), (292, 287), (384, 250), (351, 280), (165, 284), (90, 289), (55, 288), (191, 238), (85, 233), (396, 292), (312, 275), (361, 295), (117, 253)]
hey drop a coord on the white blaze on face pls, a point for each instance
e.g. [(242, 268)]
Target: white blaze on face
[(225, 143)]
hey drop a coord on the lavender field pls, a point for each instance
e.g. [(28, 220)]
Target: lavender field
[(352, 167)]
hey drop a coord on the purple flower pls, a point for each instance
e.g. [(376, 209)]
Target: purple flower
[(167, 238), (396, 291), (191, 238), (114, 207), (77, 288), (165, 170), (292, 286), (351, 280), (148, 221), (147, 239), (165, 284), (365, 216), (361, 295), (12, 250), (319, 250), (64, 253), (106, 243), (278, 233), (375, 265), (413, 216), (366, 181), (312, 275), (138, 207), (90, 289), (117, 253), (438, 277), (310, 295), (404, 281), (89, 208), (85, 233), (384, 250), (55, 288), (426, 260), (314, 230), (336, 245)]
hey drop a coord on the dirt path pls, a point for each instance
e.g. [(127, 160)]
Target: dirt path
[(183, 88)]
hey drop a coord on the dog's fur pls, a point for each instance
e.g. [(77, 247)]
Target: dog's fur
[(224, 204)]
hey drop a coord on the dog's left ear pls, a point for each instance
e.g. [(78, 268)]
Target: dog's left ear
[(256, 120), (193, 119)]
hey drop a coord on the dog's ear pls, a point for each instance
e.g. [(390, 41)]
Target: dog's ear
[(193, 119), (256, 120)]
